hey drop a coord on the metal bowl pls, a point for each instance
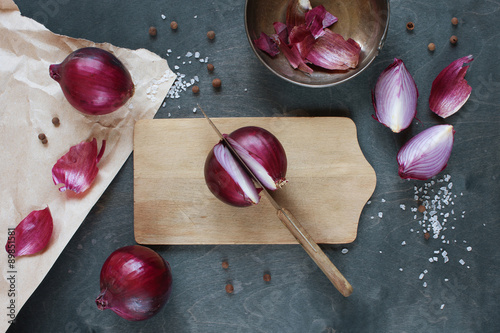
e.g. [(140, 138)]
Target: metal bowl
[(365, 21)]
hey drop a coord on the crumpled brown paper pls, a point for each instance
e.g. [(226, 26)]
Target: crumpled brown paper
[(29, 99)]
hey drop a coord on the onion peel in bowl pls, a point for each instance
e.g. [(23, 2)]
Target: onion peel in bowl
[(77, 169), (32, 234)]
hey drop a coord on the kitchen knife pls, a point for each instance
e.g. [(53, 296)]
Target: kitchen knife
[(293, 225)]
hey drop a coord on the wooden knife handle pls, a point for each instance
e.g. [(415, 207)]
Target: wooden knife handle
[(315, 252)]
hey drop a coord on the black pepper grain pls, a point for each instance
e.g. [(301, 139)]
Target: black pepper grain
[(454, 21), (55, 121), (152, 31), (410, 26), (225, 264), (431, 46), (229, 288), (267, 277), (453, 39), (211, 34), (210, 67), (174, 25), (195, 89), (41, 136), (427, 236)]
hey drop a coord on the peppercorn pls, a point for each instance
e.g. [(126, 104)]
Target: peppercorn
[(152, 31), (267, 277), (55, 121), (41, 136), (216, 83), (421, 208), (210, 67), (195, 89), (174, 25), (453, 39), (410, 26), (44, 141), (229, 288), (454, 21), (211, 34), (427, 235), (225, 264), (431, 46)]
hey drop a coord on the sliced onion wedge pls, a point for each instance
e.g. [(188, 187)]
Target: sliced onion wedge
[(450, 90), (395, 97), (77, 169), (32, 234), (427, 153), (227, 179)]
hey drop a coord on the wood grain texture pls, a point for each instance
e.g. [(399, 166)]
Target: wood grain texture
[(329, 183)]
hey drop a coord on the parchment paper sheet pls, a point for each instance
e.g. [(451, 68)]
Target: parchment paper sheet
[(29, 99)]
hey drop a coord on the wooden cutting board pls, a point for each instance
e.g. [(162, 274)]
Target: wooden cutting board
[(330, 181)]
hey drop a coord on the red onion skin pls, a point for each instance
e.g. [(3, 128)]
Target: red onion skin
[(93, 81), (136, 282), (265, 148)]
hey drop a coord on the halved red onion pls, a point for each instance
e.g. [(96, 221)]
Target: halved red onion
[(263, 153), (332, 51), (77, 169), (227, 179), (93, 81), (450, 90), (32, 234), (395, 97), (427, 153)]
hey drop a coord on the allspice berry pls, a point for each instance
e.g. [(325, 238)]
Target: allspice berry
[(453, 39), (216, 83), (267, 277), (55, 121), (427, 235), (410, 26), (41, 136), (44, 141), (421, 208), (229, 288), (174, 25), (431, 46), (210, 67), (195, 89), (454, 21), (225, 264), (211, 34), (152, 31)]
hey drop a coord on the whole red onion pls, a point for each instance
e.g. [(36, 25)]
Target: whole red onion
[(93, 81), (136, 282), (262, 153)]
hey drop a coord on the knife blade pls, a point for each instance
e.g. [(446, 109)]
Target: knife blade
[(293, 225)]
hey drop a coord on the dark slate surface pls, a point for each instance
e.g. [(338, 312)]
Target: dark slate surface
[(388, 294)]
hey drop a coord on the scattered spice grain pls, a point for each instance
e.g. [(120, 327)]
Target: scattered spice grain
[(44, 141), (195, 89), (431, 46), (421, 208), (210, 67), (41, 136), (410, 26), (152, 31), (267, 277), (454, 21), (229, 288), (211, 34), (225, 264), (174, 25), (427, 235), (453, 39), (55, 121), (216, 83)]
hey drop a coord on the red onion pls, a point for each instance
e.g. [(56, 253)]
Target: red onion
[(450, 90), (395, 97), (227, 179), (262, 153), (93, 80), (427, 153), (136, 282)]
